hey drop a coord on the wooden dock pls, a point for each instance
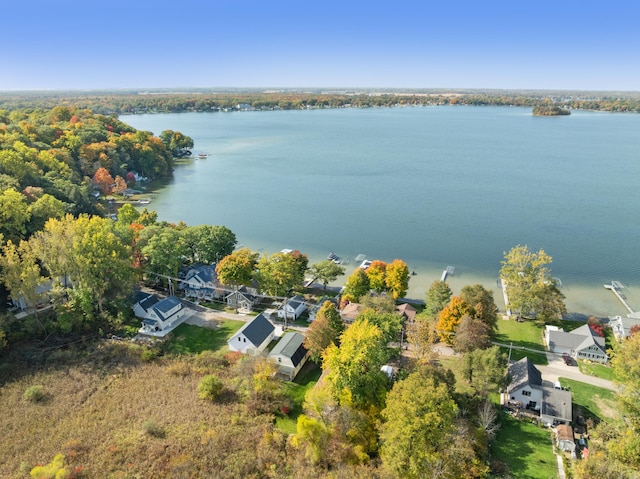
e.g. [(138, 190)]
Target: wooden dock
[(616, 287), (449, 271)]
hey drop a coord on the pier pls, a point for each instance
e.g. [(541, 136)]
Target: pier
[(449, 271), (616, 287)]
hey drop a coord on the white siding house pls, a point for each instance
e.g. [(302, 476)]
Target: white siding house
[(292, 308), (163, 314), (290, 355), (253, 337)]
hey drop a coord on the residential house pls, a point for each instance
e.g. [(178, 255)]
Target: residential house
[(313, 310), (242, 299), (527, 390), (143, 302), (163, 314), (292, 308), (408, 311), (253, 337), (289, 354), (41, 292), (201, 282), (581, 343), (621, 326), (350, 312)]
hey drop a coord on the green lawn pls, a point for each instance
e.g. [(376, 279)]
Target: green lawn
[(527, 335), (296, 390), (597, 370), (189, 339), (592, 401), (525, 448)]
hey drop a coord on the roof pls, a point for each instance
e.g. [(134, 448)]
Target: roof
[(524, 373), (203, 272), (351, 311), (578, 339), (167, 304), (295, 302), (407, 311), (564, 432), (148, 302), (316, 307), (257, 330), (556, 403), (290, 346), (625, 324)]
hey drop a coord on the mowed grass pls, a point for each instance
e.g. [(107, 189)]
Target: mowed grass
[(597, 370), (522, 335), (188, 339), (592, 401), (526, 449), (296, 391)]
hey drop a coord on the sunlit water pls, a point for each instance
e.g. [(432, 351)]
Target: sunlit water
[(433, 186)]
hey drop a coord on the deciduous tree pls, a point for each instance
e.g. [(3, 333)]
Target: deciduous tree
[(377, 276), (237, 268), (357, 285), (438, 297), (482, 305), (278, 274), (326, 271), (450, 317), (324, 331), (485, 369), (103, 180), (397, 278)]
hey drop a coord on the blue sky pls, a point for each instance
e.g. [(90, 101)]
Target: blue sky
[(519, 44)]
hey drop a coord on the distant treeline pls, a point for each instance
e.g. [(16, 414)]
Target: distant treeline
[(130, 102)]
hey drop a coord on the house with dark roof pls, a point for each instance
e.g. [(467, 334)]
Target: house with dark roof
[(163, 314), (292, 308), (242, 299), (253, 337), (528, 390), (407, 311), (581, 343), (143, 302), (201, 283), (289, 355)]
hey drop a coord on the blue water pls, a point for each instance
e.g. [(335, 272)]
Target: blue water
[(434, 186)]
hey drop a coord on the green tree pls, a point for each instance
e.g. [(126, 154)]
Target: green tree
[(354, 376), (208, 244), (482, 305), (326, 271), (530, 288), (44, 208), (438, 297), (323, 331), (14, 215), (485, 369), (210, 387), (397, 278), (626, 364), (422, 336), (389, 323), (357, 285), (164, 252), (237, 268), (377, 276), (278, 274), (418, 426), (177, 143), (450, 317)]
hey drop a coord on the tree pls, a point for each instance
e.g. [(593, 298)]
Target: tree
[(422, 336), (326, 271), (164, 252), (14, 215), (377, 275), (438, 297), (626, 364), (177, 143), (389, 323), (482, 305), (530, 288), (397, 278), (418, 425), (278, 274), (210, 387), (120, 185), (471, 334), (323, 331), (208, 244), (485, 369), (237, 268), (357, 285), (44, 208), (450, 317), (103, 180), (353, 369)]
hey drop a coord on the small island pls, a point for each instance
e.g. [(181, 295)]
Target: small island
[(546, 110)]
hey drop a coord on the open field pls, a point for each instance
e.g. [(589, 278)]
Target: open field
[(189, 339), (526, 449)]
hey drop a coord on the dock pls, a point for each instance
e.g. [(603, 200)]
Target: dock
[(616, 287), (449, 271)]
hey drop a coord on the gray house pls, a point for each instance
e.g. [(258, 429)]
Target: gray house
[(581, 343), (290, 355)]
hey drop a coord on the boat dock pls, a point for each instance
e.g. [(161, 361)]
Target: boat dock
[(449, 271), (616, 287)]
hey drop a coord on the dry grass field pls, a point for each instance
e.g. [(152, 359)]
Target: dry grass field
[(114, 415)]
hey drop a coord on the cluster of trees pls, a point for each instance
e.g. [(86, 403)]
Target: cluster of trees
[(379, 277)]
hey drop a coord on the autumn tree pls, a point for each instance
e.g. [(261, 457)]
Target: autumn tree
[(422, 336), (14, 215), (389, 323), (237, 268), (438, 297), (278, 274), (324, 331), (397, 278), (177, 143), (120, 185), (326, 271), (376, 272), (482, 305), (357, 285), (471, 334), (531, 289), (450, 317), (103, 179), (353, 369)]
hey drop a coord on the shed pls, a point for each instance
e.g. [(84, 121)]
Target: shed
[(564, 438)]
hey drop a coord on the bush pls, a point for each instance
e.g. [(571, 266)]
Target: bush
[(210, 387), (153, 429), (34, 394)]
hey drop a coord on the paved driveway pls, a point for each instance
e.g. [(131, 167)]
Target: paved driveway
[(558, 369)]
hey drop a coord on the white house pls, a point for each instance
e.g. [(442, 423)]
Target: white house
[(581, 343), (292, 308), (621, 326), (201, 282), (527, 390), (290, 355), (143, 302), (313, 310), (253, 337), (163, 314)]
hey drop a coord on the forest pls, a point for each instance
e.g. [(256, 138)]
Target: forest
[(96, 404)]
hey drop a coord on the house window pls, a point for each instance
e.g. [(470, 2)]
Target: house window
[(244, 340), (526, 393), (279, 360), (239, 338)]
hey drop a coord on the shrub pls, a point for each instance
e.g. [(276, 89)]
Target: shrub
[(210, 387), (149, 354), (34, 394), (153, 429)]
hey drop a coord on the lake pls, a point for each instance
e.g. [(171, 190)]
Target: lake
[(433, 186)]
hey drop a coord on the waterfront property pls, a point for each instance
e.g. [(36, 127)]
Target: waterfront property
[(581, 343), (201, 283), (621, 326), (253, 337), (243, 299)]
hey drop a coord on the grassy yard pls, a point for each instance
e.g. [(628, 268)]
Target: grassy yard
[(594, 402), (597, 370), (526, 449), (296, 391), (522, 335), (189, 339)]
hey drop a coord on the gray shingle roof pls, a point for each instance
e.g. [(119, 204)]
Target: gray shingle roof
[(257, 330), (556, 403), (290, 345), (166, 305), (524, 373)]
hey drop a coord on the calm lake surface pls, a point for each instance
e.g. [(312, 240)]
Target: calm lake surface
[(433, 186)]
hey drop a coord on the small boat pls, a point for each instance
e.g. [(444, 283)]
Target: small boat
[(144, 202), (202, 155), (335, 258)]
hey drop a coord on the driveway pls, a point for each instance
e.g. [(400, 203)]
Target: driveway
[(558, 369)]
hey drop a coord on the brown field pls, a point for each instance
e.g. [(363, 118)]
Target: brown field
[(117, 416)]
